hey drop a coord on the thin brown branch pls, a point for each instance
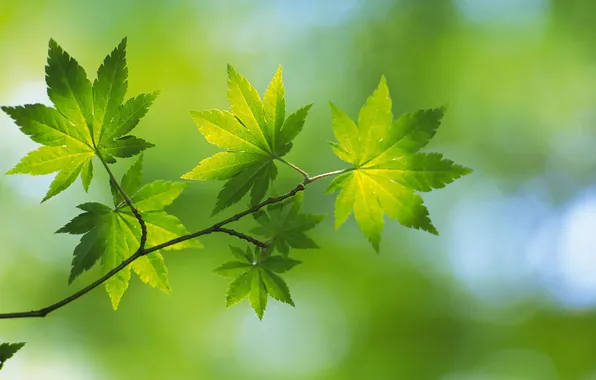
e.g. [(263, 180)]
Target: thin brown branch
[(242, 236), (217, 227), (46, 310)]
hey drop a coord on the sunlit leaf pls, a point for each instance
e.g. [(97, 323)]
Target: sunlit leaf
[(254, 134), (110, 236), (387, 168), (87, 120)]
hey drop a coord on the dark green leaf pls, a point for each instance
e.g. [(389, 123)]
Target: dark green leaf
[(241, 255), (258, 293), (284, 227), (276, 287), (7, 351), (232, 269), (279, 264), (239, 288)]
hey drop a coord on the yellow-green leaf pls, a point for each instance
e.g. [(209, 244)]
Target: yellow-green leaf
[(113, 235), (275, 107), (387, 168), (86, 120), (254, 134)]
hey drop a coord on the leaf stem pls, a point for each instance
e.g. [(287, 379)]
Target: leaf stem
[(302, 172), (142, 251), (328, 174), (129, 202)]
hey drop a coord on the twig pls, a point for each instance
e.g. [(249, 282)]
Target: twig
[(46, 310), (217, 227), (240, 235)]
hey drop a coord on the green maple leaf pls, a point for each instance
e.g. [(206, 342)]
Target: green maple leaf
[(111, 235), (254, 134), (284, 226), (255, 276), (7, 351), (88, 119), (387, 167)]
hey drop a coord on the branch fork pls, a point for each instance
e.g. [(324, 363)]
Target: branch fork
[(142, 250)]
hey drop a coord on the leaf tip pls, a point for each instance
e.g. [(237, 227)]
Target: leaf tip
[(278, 71), (465, 171), (215, 210), (115, 301), (376, 246), (52, 44), (155, 94), (231, 70), (432, 229), (382, 88), (230, 301)]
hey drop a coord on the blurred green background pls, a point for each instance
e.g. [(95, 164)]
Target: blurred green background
[(507, 291)]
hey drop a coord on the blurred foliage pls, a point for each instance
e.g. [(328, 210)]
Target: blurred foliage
[(520, 82)]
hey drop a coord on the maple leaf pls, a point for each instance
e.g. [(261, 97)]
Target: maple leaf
[(286, 229), (387, 167), (255, 133), (111, 235), (255, 276), (7, 351), (88, 119)]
